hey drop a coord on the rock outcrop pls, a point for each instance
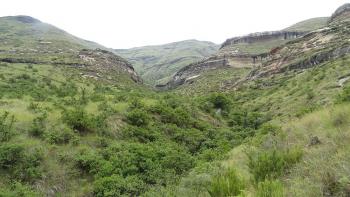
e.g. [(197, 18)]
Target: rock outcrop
[(342, 13), (263, 36), (230, 55), (105, 61)]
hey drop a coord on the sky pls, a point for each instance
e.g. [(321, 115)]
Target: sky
[(132, 23)]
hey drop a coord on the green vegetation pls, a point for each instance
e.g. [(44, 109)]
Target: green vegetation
[(67, 129), (226, 184), (157, 64)]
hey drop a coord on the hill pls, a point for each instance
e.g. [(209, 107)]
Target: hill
[(24, 39), (247, 51), (157, 64)]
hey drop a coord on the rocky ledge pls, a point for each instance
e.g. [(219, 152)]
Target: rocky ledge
[(263, 36)]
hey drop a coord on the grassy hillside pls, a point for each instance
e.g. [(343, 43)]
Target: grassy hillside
[(157, 64), (27, 33), (309, 25)]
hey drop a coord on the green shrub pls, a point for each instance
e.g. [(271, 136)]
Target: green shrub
[(79, 120), (225, 184), (246, 119), (20, 162), (138, 118), (271, 164), (220, 101), (10, 155), (6, 125), (88, 161), (269, 188), (179, 116), (62, 136), (344, 96), (38, 126), (140, 134), (116, 185)]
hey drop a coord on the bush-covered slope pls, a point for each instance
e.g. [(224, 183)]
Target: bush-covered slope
[(157, 64), (305, 157), (78, 123)]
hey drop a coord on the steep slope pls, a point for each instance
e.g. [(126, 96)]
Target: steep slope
[(24, 39), (309, 25), (247, 51), (157, 64)]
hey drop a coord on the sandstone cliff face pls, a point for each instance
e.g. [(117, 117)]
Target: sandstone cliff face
[(231, 55), (312, 50), (263, 36)]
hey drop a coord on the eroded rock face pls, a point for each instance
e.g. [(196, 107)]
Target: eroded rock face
[(313, 49), (104, 61), (229, 56), (263, 36)]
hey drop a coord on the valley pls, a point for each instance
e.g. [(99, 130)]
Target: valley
[(262, 115)]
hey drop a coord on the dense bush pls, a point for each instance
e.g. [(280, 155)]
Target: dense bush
[(272, 163), (38, 126), (79, 120), (140, 134), (178, 115), (88, 161), (137, 117), (19, 162), (61, 136), (245, 119), (116, 185), (344, 96), (218, 102), (6, 126), (226, 183)]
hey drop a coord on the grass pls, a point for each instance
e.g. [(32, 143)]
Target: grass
[(309, 25)]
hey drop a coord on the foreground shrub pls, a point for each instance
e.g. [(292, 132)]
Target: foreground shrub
[(19, 162), (38, 126), (79, 120), (272, 163), (226, 184), (140, 134), (137, 118), (6, 125), (270, 189), (344, 96), (61, 136), (116, 185)]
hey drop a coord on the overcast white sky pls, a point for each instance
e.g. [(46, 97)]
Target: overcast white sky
[(131, 23)]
